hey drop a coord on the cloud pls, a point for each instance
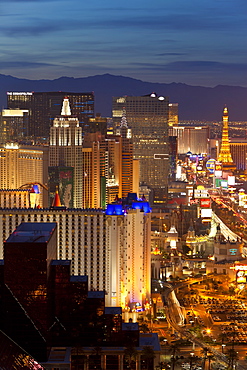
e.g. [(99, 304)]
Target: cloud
[(195, 66), (182, 66), (163, 22), (170, 54), (205, 66), (20, 64), (33, 29), (188, 22), (28, 1)]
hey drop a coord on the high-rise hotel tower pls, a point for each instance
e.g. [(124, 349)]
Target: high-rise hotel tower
[(66, 148), (147, 117)]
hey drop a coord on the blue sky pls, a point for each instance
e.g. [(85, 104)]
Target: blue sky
[(198, 42)]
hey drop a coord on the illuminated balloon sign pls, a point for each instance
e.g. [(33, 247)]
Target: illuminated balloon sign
[(210, 165)]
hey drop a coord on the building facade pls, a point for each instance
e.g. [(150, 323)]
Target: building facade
[(13, 124), (66, 148), (35, 249), (108, 169), (43, 107), (112, 248), (147, 117), (12, 198), (173, 114), (238, 149), (24, 165), (191, 139)]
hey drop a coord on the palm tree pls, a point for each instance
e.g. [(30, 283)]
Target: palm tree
[(131, 354), (196, 329), (144, 328), (205, 356), (232, 357), (174, 359), (210, 358), (148, 356), (231, 291)]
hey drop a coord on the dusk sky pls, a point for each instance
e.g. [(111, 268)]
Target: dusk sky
[(197, 42)]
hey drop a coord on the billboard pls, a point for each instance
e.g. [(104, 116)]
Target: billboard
[(205, 202), (201, 193), (61, 179), (218, 169), (241, 273), (206, 212), (231, 180)]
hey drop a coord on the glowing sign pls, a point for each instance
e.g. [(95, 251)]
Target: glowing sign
[(218, 166), (12, 146), (210, 165), (224, 184), (201, 193), (239, 267), (19, 93), (205, 203), (218, 169), (206, 212), (194, 201), (231, 180), (121, 100)]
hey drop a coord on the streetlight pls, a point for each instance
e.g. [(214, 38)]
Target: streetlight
[(191, 359)]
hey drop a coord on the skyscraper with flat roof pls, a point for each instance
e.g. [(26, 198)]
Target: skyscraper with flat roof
[(13, 124), (191, 139), (22, 165), (34, 246), (147, 117)]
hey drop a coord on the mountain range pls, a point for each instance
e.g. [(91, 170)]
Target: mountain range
[(195, 102)]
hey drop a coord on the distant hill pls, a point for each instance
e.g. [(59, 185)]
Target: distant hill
[(195, 102)]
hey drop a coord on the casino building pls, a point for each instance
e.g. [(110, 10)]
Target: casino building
[(112, 247)]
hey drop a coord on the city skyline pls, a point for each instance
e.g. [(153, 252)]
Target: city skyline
[(193, 43)]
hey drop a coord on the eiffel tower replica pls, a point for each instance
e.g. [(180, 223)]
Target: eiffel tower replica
[(225, 156)]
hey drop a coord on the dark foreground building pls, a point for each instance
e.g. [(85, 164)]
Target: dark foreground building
[(44, 311), (41, 304)]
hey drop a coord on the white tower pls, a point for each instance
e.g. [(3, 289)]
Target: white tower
[(66, 148)]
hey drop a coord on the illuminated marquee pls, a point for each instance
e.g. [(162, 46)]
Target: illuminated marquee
[(241, 273), (241, 276), (239, 267), (205, 203), (201, 193)]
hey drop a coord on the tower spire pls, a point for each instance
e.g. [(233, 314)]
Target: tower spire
[(124, 130), (123, 122), (225, 156), (66, 108)]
